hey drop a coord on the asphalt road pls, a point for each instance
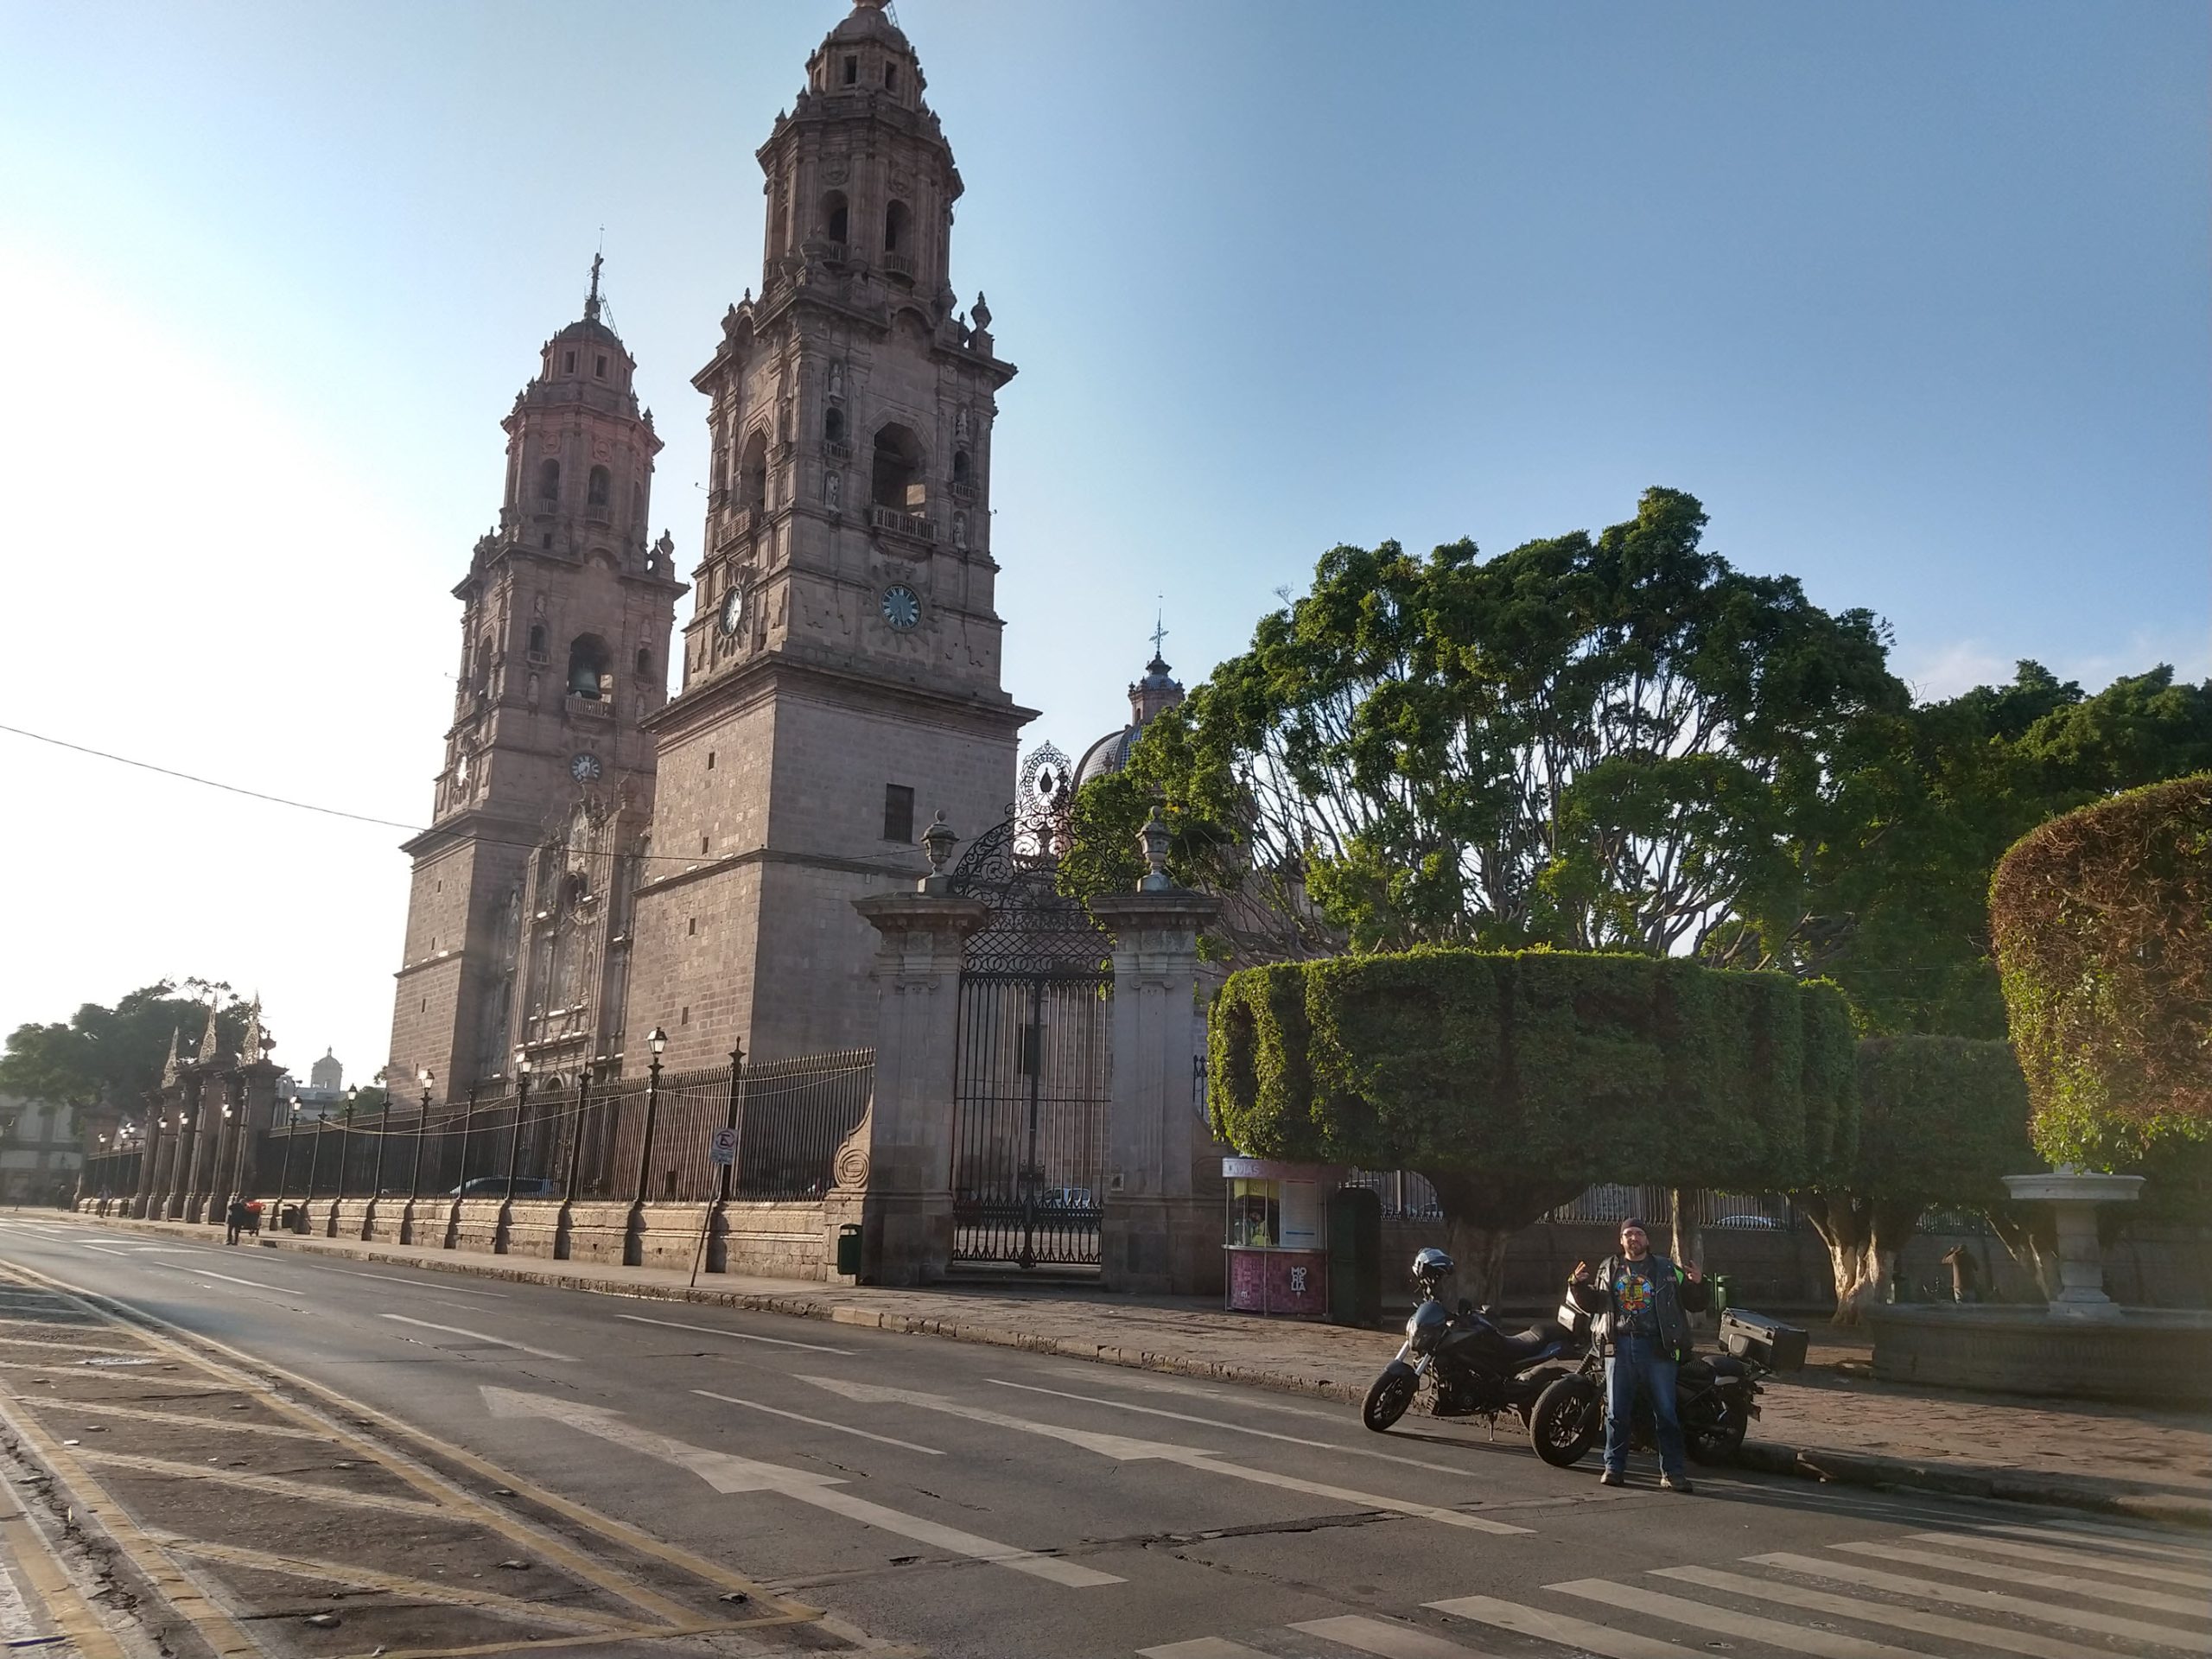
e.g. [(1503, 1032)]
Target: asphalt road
[(969, 1501)]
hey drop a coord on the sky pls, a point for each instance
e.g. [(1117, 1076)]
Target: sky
[(1914, 298)]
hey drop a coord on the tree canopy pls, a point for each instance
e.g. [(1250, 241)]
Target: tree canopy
[(1512, 1080), (2103, 926), (1589, 742), (115, 1054)]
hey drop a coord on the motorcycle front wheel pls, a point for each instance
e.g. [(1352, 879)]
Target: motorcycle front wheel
[(1388, 1399), (1568, 1420)]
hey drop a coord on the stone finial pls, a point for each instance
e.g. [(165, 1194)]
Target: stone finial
[(256, 1039), (175, 1059), (980, 311), (937, 842), (210, 1044), (1153, 838), (591, 300)]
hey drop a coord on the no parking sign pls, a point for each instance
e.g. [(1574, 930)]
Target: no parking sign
[(723, 1149)]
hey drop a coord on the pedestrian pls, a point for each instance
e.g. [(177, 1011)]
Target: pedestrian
[(1640, 1303), (237, 1217)]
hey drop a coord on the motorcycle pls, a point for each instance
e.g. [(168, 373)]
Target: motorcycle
[(1471, 1367), (1716, 1396)]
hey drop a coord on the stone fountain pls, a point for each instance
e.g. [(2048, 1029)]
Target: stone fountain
[(2081, 1344)]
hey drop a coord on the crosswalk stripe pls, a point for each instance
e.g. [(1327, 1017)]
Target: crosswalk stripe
[(1558, 1627), (1880, 1613), (1790, 1638), (1383, 1639), (1206, 1647), (2157, 1572), (2135, 1630), (2128, 1594), (2096, 1537)]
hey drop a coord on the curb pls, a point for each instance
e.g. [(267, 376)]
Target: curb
[(1805, 1462)]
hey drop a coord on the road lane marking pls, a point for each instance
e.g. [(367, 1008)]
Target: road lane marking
[(1558, 1627), (63, 1406), (478, 1336), (276, 1484), (426, 1284), (736, 1336), (1878, 1612), (726, 1472), (71, 1347), (202, 1272), (1384, 1640), (1988, 1601), (1790, 1638), (2157, 1572), (1240, 1428), (819, 1423), (2129, 1595), (65, 1607), (1124, 1448), (2104, 1538), (1206, 1647)]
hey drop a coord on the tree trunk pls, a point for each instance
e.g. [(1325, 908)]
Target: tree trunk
[(1689, 1238), (2029, 1235), (1481, 1215), (1845, 1226), (1858, 1281), (1480, 1253)]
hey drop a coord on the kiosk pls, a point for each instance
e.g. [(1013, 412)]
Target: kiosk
[(1276, 1242)]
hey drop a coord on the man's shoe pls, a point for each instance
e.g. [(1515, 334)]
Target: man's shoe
[(1611, 1478), (1675, 1484)]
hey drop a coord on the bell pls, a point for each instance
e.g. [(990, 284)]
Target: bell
[(582, 681)]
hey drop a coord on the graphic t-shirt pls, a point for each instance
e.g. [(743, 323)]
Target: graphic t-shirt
[(1635, 1294)]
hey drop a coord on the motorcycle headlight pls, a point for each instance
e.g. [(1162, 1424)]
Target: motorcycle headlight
[(1427, 1327)]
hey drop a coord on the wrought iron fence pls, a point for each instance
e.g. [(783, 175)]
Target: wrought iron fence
[(1407, 1195)]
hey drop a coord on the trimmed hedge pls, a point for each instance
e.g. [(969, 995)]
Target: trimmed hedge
[(1941, 1120), (1548, 1064), (2102, 919)]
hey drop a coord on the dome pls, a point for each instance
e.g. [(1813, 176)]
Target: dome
[(866, 22), (1159, 689)]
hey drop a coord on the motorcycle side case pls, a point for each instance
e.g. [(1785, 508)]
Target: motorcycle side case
[(1767, 1342)]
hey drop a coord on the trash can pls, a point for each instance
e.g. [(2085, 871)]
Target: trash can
[(1355, 1257), (1721, 1289), (848, 1250)]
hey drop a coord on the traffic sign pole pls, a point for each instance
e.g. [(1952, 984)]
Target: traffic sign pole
[(722, 1153)]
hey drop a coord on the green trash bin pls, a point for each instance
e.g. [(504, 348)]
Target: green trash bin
[(1721, 1290), (848, 1250), (1355, 1257)]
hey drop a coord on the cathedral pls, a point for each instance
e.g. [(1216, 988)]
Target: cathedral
[(604, 858)]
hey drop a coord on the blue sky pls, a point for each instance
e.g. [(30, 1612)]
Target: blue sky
[(1914, 297)]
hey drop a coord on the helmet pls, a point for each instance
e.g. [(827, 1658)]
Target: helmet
[(1431, 1263)]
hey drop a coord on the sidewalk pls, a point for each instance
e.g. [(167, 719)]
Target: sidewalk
[(1822, 1423)]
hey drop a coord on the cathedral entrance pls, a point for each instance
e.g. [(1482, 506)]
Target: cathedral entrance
[(1033, 1080)]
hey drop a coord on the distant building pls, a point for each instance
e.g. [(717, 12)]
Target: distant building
[(328, 1073), (40, 1154)]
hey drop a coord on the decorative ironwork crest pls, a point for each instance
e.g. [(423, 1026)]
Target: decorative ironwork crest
[(1014, 867)]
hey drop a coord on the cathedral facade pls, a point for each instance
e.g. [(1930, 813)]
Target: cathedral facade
[(604, 859)]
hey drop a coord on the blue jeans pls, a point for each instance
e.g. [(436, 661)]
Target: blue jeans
[(1640, 1365)]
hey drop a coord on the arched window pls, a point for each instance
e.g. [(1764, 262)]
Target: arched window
[(548, 481), (962, 471), (890, 77), (894, 228), (897, 471), (833, 425), (590, 667), (537, 639), (834, 216), (644, 664), (753, 471), (600, 488)]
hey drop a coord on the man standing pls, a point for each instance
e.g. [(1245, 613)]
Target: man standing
[(237, 1218), (1640, 1303)]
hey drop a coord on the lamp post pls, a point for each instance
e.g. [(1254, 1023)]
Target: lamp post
[(468, 1124), (315, 1154), (577, 1134), (284, 1177), (657, 1041), (421, 1123), (383, 1122), (514, 1134), (346, 1140)]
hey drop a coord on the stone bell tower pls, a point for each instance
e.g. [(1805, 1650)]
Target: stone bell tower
[(841, 667), (566, 616)]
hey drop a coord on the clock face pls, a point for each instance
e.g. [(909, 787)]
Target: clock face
[(585, 768), (900, 608), (732, 613)]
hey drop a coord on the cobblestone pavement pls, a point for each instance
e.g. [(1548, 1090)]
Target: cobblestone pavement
[(1823, 1421)]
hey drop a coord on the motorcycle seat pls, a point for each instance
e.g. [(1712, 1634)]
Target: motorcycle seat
[(1529, 1344)]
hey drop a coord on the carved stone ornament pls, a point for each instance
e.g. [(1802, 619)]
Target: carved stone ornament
[(849, 1168)]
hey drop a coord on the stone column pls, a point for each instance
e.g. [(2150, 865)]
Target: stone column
[(1156, 1236), (169, 1199), (150, 1157), (894, 1174), (207, 1149)]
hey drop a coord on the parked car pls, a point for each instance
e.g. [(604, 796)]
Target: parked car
[(495, 1187), (1767, 1222)]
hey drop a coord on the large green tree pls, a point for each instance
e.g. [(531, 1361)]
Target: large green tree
[(1512, 1080), (1602, 743), (1891, 898), (115, 1054), (1942, 1120)]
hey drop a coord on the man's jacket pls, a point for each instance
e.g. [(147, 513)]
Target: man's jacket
[(1674, 1298)]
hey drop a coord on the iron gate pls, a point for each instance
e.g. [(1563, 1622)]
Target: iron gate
[(1034, 1076)]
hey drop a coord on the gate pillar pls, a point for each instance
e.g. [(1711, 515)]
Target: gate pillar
[(894, 1173), (1156, 1235)]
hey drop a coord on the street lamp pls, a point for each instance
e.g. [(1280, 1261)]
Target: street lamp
[(657, 1041), (514, 1134), (314, 1152), (291, 1132), (384, 1124), (346, 1140), (422, 1124)]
